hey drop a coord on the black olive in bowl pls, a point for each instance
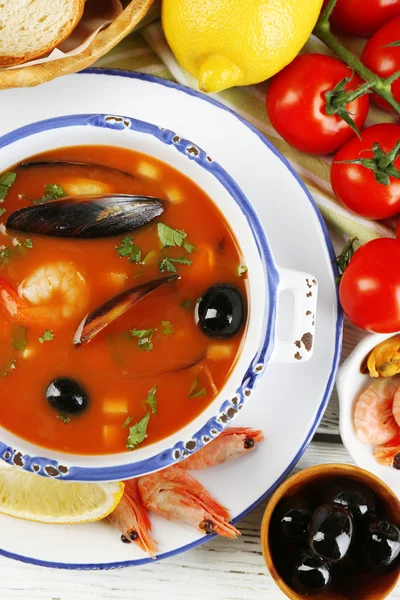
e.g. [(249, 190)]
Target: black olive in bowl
[(67, 395), (221, 311), (381, 547)]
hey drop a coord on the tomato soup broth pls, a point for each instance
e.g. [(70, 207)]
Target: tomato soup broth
[(151, 371)]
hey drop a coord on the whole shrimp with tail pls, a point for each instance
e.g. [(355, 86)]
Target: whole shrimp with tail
[(178, 496)]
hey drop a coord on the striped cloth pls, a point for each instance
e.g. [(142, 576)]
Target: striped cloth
[(147, 51)]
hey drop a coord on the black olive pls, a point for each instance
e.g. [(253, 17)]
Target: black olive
[(293, 516), (381, 548), (311, 575), (357, 498), (221, 311), (67, 395), (331, 532)]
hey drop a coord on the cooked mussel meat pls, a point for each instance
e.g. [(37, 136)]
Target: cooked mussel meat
[(87, 216), (67, 395), (111, 310), (221, 311)]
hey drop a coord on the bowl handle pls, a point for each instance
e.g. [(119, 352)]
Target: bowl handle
[(299, 344)]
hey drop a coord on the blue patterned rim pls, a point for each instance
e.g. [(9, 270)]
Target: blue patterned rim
[(335, 362), (230, 407)]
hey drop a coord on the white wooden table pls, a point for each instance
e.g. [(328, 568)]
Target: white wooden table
[(219, 570)]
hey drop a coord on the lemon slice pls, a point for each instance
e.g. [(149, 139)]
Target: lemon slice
[(34, 498)]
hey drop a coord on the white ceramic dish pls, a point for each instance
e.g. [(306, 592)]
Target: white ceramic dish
[(289, 401), (350, 382), (265, 285)]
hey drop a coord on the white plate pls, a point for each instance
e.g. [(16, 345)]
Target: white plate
[(290, 399)]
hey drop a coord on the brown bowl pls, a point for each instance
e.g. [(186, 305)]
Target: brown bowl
[(368, 586)]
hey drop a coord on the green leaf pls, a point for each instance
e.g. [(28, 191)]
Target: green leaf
[(199, 299), (168, 263), (188, 304), (11, 365), (167, 327), (5, 254), (192, 391), (128, 248), (138, 432), (47, 336), (345, 257), (241, 270), (144, 337), (19, 337), (392, 44), (2, 211), (64, 418), (52, 191), (170, 237), (127, 421), (6, 181), (151, 400), (28, 243), (189, 247)]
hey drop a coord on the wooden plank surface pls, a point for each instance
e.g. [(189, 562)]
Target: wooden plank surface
[(218, 570)]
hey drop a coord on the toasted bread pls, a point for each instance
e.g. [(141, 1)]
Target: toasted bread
[(30, 29)]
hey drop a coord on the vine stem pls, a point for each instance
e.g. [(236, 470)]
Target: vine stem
[(382, 87)]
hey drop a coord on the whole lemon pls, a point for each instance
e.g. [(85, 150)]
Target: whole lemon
[(237, 42)]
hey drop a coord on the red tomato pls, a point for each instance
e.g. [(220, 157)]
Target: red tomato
[(363, 17), (382, 60), (356, 186), (296, 104), (370, 286)]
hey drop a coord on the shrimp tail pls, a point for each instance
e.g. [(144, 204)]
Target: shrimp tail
[(178, 496), (10, 300), (131, 519)]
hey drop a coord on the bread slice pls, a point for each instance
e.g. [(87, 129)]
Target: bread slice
[(30, 29)]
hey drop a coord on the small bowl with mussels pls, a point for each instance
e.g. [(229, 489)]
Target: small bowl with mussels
[(138, 316), (332, 531)]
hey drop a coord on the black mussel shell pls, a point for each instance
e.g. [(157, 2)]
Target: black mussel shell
[(331, 532), (356, 497), (111, 310), (221, 311), (381, 545), (74, 163), (293, 516), (67, 395), (87, 216), (311, 575)]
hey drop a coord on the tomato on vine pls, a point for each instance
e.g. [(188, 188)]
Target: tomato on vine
[(317, 103), (363, 17), (382, 56), (365, 173)]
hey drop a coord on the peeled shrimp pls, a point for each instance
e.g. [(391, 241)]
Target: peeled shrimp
[(386, 453), (132, 519), (230, 444), (176, 495), (54, 291), (396, 406), (373, 418)]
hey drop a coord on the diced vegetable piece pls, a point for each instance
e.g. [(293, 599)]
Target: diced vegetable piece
[(28, 353), (219, 351), (174, 195), (118, 279), (148, 170), (115, 405), (81, 187), (112, 434)]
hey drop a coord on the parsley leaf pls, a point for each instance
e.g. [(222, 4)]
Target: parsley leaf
[(192, 391), (19, 337), (138, 432), (144, 337), (2, 211), (128, 248), (9, 367), (64, 418), (187, 304), (198, 300), (151, 400), (170, 237), (5, 253), (127, 421), (241, 270), (189, 247), (168, 264), (52, 191), (6, 181), (47, 336), (168, 328)]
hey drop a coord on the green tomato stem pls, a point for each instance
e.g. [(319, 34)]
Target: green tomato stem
[(381, 87)]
